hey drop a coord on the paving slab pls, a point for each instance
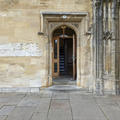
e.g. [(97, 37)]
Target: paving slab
[(60, 110), (110, 108), (58, 105), (6, 110), (85, 108), (3, 117), (39, 116), (117, 99), (11, 98), (44, 105), (60, 95), (45, 94), (30, 100), (21, 113), (80, 95)]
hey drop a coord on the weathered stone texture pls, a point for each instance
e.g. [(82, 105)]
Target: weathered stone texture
[(19, 25), (25, 55)]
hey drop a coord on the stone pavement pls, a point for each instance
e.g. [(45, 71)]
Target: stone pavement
[(58, 105)]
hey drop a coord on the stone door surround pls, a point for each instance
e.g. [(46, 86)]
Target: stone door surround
[(50, 21)]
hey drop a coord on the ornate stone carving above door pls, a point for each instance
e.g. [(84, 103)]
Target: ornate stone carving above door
[(53, 19)]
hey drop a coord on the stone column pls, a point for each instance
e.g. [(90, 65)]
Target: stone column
[(119, 38), (98, 45), (50, 49), (116, 34)]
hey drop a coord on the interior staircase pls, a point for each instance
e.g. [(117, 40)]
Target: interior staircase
[(62, 61)]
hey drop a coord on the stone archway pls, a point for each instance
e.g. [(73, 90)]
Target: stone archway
[(79, 23), (54, 27), (64, 54)]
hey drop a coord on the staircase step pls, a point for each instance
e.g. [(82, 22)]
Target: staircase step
[(62, 61)]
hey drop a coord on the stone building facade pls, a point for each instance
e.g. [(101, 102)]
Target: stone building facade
[(29, 30)]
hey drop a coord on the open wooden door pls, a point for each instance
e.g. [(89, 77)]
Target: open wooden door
[(74, 58), (55, 64)]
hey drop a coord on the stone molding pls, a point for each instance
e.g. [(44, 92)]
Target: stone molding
[(69, 17), (49, 21)]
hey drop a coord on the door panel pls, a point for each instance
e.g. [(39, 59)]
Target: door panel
[(55, 66)]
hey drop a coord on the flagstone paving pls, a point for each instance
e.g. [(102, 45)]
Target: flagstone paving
[(58, 105)]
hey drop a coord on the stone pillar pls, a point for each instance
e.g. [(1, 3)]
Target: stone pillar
[(50, 49), (116, 34), (109, 47), (119, 39), (98, 45)]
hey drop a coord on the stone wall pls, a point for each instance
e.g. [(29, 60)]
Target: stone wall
[(23, 53)]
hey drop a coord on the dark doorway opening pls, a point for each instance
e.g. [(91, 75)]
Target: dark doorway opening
[(66, 57), (64, 54)]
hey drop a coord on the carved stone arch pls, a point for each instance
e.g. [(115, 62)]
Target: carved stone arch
[(75, 26), (70, 25)]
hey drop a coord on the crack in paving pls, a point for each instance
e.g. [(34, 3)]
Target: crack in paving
[(106, 117), (49, 106), (70, 107), (60, 105)]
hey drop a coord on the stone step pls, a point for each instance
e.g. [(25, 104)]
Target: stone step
[(64, 88)]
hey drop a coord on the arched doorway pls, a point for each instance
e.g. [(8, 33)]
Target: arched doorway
[(64, 53)]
